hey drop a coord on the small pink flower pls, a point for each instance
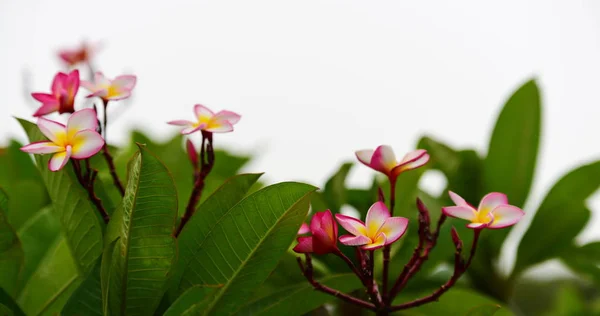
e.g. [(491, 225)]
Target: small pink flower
[(110, 90), (62, 95), (324, 232), (380, 229), (74, 56), (493, 211), (383, 160), (304, 229), (77, 140), (207, 120)]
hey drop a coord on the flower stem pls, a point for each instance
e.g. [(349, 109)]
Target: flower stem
[(108, 157), (207, 161), (88, 185), (387, 249)]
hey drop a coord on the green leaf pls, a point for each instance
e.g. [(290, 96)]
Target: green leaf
[(510, 163), (564, 211), (78, 217), (568, 301), (206, 215), (87, 299), (143, 256), (8, 306), (483, 310), (192, 302), (106, 267), (584, 260), (246, 243), (301, 298), (334, 193), (11, 251)]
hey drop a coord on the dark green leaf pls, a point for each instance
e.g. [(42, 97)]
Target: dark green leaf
[(87, 299), (11, 251), (8, 306), (483, 310), (78, 217), (143, 256), (560, 218), (584, 260), (568, 301), (245, 244), (192, 302), (457, 301)]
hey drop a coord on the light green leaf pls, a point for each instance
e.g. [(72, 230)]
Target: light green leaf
[(564, 211), (483, 310), (246, 243), (87, 299), (78, 217), (192, 302), (143, 256), (11, 251), (301, 298)]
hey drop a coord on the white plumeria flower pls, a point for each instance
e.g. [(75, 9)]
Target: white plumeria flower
[(207, 120)]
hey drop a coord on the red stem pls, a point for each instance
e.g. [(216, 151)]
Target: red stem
[(108, 157), (88, 185)]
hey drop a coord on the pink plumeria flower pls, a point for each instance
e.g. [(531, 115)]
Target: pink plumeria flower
[(74, 56), (493, 212), (110, 90), (304, 229), (61, 98), (384, 160), (77, 140), (379, 230), (324, 231), (207, 120)]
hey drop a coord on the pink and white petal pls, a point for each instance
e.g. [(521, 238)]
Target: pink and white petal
[(323, 221), (350, 240), (47, 108), (82, 120), (352, 225), (384, 159), (98, 93), (463, 212), (304, 229), (219, 127), (125, 82), (376, 216), (44, 97), (412, 160), (506, 215), (203, 113), (100, 80), (393, 228), (365, 156), (457, 199), (88, 85), (228, 116), (121, 95), (58, 83), (191, 129), (86, 143), (42, 148), (377, 243), (305, 245), (55, 131), (490, 201), (59, 160), (477, 225), (181, 123)]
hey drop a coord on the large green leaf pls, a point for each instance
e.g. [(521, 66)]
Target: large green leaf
[(207, 214), (146, 250), (11, 252), (584, 260), (245, 244), (510, 163), (87, 299), (78, 217), (560, 218), (8, 306), (192, 302), (483, 310), (300, 298)]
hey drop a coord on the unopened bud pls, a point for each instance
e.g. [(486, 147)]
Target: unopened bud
[(380, 195), (192, 153), (423, 212), (456, 239)]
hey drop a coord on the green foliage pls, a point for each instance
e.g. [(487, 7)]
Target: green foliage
[(8, 306), (11, 251), (483, 310)]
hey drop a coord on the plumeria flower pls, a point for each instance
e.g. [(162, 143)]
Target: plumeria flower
[(493, 211), (62, 95), (324, 231), (207, 120), (77, 140), (379, 230), (74, 56), (384, 160), (110, 90), (304, 229)]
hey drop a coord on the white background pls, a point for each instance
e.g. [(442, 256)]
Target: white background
[(316, 80)]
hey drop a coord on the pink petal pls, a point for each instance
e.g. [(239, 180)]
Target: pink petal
[(304, 229), (477, 225), (42, 148), (322, 242), (47, 108), (181, 123), (98, 93), (203, 113), (73, 81), (59, 160), (88, 85), (58, 83), (82, 120), (55, 131), (305, 245), (506, 215), (350, 240), (324, 221), (383, 159), (219, 127), (229, 116), (125, 82), (490, 201), (352, 225), (191, 129), (365, 156), (100, 80), (86, 143), (377, 243), (376, 216), (412, 160), (393, 228), (122, 95), (44, 97), (457, 199), (463, 212)]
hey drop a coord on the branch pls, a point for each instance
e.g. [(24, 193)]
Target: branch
[(88, 185), (108, 157)]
